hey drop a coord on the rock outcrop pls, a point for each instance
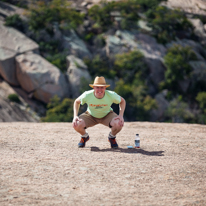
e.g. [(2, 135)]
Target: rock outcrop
[(40, 78), (13, 43), (78, 75), (11, 111)]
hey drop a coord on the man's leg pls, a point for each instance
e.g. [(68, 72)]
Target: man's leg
[(113, 122), (80, 128), (115, 126)]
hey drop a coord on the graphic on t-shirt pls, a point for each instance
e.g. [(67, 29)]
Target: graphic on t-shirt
[(98, 106)]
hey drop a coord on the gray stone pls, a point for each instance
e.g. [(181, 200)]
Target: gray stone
[(40, 78), (199, 70), (188, 6), (11, 112), (128, 41), (77, 74), (199, 29), (7, 66), (16, 41), (75, 45), (162, 103)]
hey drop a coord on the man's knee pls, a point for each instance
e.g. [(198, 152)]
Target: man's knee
[(80, 125), (115, 124)]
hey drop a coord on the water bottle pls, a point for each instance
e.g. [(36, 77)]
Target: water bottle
[(137, 141)]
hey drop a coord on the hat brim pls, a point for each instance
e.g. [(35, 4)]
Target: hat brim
[(99, 85)]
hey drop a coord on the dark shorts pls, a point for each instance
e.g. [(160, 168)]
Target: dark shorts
[(90, 121)]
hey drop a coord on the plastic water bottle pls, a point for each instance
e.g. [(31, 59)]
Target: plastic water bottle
[(137, 141)]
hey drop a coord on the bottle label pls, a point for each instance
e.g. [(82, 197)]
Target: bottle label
[(137, 143)]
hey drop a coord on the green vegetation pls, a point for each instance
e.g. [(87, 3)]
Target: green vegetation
[(15, 21), (59, 111), (59, 60), (46, 15), (103, 14), (178, 111), (14, 98), (166, 24), (100, 66), (132, 70), (178, 69)]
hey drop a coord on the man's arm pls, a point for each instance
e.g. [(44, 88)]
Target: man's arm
[(122, 106), (76, 106)]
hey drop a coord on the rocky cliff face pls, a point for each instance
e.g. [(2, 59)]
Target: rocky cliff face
[(35, 79)]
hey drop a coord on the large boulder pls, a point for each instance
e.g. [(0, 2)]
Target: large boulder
[(162, 105), (12, 43), (11, 111), (199, 29), (16, 41), (7, 66), (78, 75), (75, 45), (189, 6), (40, 78)]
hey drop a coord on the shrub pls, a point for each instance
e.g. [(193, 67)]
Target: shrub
[(100, 66), (101, 14), (178, 111), (201, 98), (15, 21), (59, 60), (44, 15), (139, 102), (14, 98), (166, 23), (177, 63), (130, 66), (59, 111)]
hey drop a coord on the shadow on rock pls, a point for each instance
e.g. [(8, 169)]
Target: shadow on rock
[(133, 150)]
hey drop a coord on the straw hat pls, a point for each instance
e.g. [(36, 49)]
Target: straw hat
[(99, 81)]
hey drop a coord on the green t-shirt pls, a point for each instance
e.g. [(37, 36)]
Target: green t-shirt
[(99, 107)]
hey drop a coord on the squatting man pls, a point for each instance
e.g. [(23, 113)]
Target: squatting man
[(99, 111)]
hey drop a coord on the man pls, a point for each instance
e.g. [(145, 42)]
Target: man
[(99, 111)]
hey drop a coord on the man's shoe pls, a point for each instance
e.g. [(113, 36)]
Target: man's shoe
[(113, 143), (83, 141)]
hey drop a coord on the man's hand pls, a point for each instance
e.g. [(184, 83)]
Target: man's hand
[(121, 120), (75, 121)]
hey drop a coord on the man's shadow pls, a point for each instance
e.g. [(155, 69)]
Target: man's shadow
[(133, 150)]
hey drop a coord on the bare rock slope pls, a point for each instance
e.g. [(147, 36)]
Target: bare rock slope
[(41, 165)]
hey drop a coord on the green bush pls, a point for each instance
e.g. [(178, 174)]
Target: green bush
[(14, 98), (178, 111), (130, 66), (45, 15), (59, 111), (166, 24), (52, 47), (100, 66), (15, 21), (59, 60), (139, 103), (177, 63), (201, 99), (101, 14)]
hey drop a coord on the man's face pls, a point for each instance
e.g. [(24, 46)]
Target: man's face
[(99, 91)]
